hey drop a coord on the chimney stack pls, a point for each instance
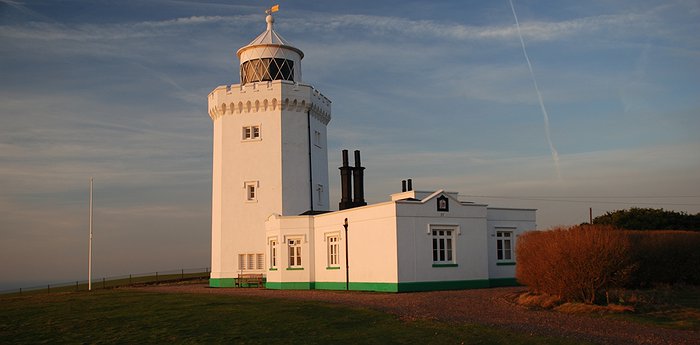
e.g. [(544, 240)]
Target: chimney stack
[(345, 183), (358, 177), (410, 184), (403, 185)]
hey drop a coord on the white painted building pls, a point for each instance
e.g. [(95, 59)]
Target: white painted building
[(270, 166)]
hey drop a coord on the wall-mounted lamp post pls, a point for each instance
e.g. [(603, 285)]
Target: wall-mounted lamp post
[(347, 265)]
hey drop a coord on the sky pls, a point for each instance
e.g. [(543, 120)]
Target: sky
[(436, 91)]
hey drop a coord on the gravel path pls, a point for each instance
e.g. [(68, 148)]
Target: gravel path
[(483, 306)]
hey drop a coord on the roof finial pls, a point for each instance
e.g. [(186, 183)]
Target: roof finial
[(269, 18)]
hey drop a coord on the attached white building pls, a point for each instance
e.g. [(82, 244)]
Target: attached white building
[(270, 199)]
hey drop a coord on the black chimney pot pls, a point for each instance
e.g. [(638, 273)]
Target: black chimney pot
[(358, 177), (345, 183)]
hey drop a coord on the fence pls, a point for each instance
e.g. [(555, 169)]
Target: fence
[(183, 274)]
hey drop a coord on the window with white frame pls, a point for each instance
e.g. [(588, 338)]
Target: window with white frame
[(251, 191), (273, 253), (504, 245), (317, 138), (250, 262), (333, 247), (251, 132), (319, 196), (294, 253), (443, 246)]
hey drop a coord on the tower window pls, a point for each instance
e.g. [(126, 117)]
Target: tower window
[(317, 138), (319, 197), (251, 132), (251, 191)]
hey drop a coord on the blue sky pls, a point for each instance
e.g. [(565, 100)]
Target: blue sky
[(434, 91)]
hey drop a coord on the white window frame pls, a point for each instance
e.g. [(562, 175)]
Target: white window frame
[(503, 237), (251, 191), (241, 262), (294, 252), (251, 133), (251, 261), (273, 254), (442, 245), (333, 250), (319, 195), (317, 139)]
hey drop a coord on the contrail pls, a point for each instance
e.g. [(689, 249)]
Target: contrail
[(555, 155)]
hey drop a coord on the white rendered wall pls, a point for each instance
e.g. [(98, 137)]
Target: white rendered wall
[(371, 245), (415, 241), (275, 163), (516, 220)]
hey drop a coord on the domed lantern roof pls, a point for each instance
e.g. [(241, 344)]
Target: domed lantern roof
[(269, 57)]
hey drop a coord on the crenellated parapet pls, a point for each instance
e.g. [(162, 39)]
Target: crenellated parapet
[(268, 96)]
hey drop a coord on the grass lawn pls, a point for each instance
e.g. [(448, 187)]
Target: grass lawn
[(122, 316), (677, 308)]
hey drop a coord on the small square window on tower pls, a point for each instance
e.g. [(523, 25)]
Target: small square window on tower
[(251, 190), (251, 132)]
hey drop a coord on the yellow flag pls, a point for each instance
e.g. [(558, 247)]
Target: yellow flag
[(274, 9)]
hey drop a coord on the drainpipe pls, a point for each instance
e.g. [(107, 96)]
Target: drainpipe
[(347, 264), (311, 172)]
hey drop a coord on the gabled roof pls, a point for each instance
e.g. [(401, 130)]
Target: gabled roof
[(435, 195)]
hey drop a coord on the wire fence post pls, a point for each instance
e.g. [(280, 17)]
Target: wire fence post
[(103, 283), (129, 279), (48, 288), (182, 273), (156, 277), (76, 286), (20, 291)]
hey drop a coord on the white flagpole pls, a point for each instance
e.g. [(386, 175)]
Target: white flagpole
[(90, 243)]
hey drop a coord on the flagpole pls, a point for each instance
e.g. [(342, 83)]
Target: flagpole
[(90, 243)]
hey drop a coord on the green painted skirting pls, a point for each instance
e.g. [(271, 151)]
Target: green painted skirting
[(295, 268), (444, 285), (222, 282), (379, 287), (387, 287), (496, 282), (290, 285), (228, 283), (332, 268)]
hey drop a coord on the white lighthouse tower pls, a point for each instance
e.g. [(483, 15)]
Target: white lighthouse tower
[(269, 155)]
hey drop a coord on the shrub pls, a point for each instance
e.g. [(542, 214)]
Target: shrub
[(665, 257), (579, 263), (649, 219)]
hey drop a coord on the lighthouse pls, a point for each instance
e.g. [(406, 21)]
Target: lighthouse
[(269, 153)]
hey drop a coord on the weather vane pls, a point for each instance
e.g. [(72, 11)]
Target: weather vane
[(272, 9)]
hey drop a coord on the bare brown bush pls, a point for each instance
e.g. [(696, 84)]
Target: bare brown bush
[(579, 263)]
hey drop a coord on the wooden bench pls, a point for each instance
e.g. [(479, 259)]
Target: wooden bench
[(249, 279)]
